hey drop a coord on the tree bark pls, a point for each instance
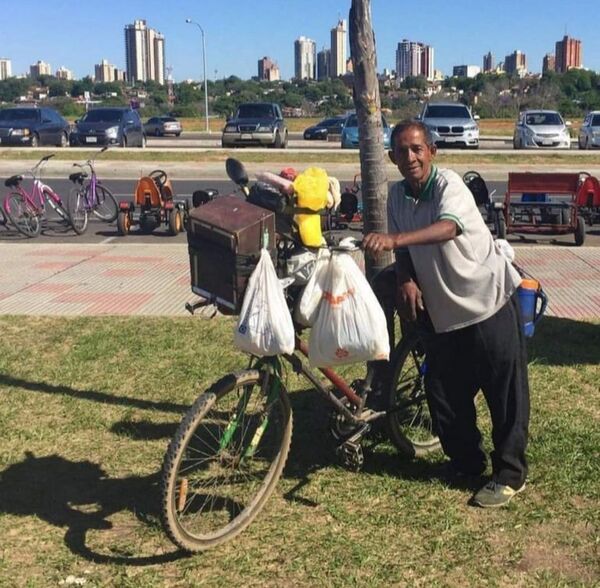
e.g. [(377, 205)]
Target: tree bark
[(368, 111)]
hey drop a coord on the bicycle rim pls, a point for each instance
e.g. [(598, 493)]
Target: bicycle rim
[(106, 208), (22, 215), (410, 425), (78, 214), (224, 461)]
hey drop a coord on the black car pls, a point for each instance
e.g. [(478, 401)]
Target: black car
[(110, 126), (33, 127), (324, 128)]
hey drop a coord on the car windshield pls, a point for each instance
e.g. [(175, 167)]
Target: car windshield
[(543, 118), (446, 111), (352, 121), (255, 111), (18, 114), (168, 119), (108, 116), (328, 122), (595, 120)]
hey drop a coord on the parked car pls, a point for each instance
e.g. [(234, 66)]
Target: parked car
[(451, 124), (324, 128), (256, 123), (160, 126), (589, 133), (115, 125), (33, 126), (350, 133), (541, 128)]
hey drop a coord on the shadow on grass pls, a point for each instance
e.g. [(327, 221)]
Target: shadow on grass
[(313, 448), (80, 497), (561, 342), (93, 395), (144, 430)]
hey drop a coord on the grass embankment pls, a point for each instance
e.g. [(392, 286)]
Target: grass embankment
[(88, 407)]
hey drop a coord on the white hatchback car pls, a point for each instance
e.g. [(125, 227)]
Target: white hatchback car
[(589, 133), (541, 129)]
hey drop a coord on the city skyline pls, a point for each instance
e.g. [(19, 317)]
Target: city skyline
[(233, 47)]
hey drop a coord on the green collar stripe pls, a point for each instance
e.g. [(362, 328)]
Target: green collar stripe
[(427, 191)]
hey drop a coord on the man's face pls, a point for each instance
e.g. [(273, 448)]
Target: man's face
[(413, 156)]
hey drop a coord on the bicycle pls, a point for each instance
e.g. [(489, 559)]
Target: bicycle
[(89, 196), (230, 449), (27, 210)]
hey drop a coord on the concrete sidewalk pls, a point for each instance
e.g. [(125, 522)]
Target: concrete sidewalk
[(153, 280)]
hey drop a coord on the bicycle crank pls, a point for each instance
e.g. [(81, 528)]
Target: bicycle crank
[(350, 452)]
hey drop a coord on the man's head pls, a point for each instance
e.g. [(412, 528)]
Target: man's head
[(413, 151)]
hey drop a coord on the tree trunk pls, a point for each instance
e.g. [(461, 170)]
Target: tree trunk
[(368, 112)]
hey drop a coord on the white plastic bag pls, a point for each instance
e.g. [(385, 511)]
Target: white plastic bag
[(307, 306), (265, 325), (350, 326)]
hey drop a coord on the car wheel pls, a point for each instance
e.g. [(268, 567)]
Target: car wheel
[(35, 140), (285, 141), (124, 141), (278, 144), (517, 144), (64, 141), (143, 143), (157, 133)]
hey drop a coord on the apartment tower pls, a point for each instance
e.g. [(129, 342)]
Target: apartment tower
[(567, 55), (305, 58), (144, 53), (339, 34)]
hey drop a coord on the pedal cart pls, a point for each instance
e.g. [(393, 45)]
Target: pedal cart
[(155, 201)]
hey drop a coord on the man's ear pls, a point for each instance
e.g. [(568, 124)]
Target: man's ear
[(392, 157), (433, 150)]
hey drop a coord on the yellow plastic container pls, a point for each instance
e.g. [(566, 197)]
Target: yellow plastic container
[(311, 188)]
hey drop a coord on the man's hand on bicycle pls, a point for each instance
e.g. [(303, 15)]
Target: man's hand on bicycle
[(376, 242), (409, 300)]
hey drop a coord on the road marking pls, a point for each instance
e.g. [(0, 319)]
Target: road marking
[(107, 240)]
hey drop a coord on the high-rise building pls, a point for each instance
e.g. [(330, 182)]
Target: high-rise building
[(414, 59), (144, 53), (516, 63), (488, 62), (62, 73), (105, 72), (40, 68), (567, 54), (5, 68), (268, 70), (548, 63), (338, 49), (305, 57), (323, 64)]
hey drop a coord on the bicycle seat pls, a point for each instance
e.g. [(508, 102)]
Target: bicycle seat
[(78, 177), (13, 181)]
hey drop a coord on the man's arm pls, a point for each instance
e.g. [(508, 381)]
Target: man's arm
[(438, 232)]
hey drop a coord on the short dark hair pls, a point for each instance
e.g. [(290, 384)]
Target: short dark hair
[(411, 124)]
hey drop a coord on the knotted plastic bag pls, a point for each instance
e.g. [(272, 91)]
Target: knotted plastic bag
[(307, 306), (265, 325), (350, 325)]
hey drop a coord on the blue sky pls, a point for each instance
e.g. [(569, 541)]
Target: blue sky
[(79, 33)]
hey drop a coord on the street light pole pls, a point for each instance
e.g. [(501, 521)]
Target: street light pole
[(190, 21)]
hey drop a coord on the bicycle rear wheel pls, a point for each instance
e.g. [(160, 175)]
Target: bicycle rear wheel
[(225, 459), (409, 422), (77, 208), (22, 215), (107, 208)]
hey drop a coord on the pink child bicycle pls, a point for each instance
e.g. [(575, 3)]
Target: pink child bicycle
[(25, 210)]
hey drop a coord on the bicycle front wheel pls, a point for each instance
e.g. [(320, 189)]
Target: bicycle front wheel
[(22, 215), (225, 459), (410, 427), (106, 208), (77, 209)]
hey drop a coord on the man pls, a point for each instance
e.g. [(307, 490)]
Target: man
[(465, 290)]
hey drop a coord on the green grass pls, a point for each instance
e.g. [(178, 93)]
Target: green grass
[(87, 409), (321, 157)]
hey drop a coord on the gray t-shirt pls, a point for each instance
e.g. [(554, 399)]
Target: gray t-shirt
[(464, 280)]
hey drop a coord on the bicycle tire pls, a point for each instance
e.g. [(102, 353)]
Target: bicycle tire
[(22, 215), (106, 208), (410, 427), (215, 469), (77, 209)]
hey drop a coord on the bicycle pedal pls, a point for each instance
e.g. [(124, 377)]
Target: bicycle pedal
[(351, 455)]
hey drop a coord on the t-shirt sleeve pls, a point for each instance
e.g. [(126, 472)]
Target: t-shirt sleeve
[(393, 213), (455, 201)]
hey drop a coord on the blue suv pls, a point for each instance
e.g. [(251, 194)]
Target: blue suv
[(33, 126)]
